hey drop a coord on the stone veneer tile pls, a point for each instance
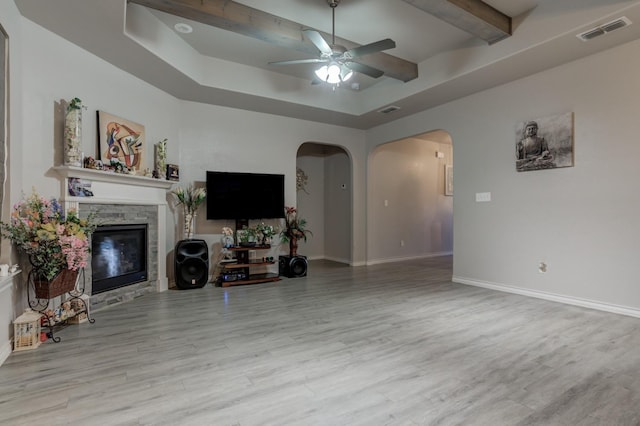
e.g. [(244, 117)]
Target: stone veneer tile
[(116, 214)]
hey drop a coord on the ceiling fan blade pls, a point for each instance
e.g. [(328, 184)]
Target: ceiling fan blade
[(299, 61), (364, 69), (367, 49), (318, 41)]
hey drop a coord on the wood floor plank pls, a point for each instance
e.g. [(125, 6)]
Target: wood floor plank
[(379, 345)]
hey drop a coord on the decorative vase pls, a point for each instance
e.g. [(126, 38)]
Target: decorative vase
[(161, 158), (62, 283), (73, 138), (189, 219), (227, 241), (293, 247)]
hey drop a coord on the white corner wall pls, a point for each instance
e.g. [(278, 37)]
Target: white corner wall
[(581, 221)]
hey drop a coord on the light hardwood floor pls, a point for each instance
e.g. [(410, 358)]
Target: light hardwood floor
[(394, 344)]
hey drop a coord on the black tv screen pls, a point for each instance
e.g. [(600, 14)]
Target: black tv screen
[(244, 195)]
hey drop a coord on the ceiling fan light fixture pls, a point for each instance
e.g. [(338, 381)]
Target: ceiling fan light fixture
[(334, 73)]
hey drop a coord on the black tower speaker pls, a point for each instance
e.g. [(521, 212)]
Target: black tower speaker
[(293, 266), (191, 264)]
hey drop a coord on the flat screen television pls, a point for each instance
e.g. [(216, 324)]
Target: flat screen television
[(244, 195)]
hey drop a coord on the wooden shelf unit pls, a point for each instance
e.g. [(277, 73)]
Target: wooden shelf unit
[(245, 264)]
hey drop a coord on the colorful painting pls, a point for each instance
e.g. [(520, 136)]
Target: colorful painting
[(545, 143), (120, 140)]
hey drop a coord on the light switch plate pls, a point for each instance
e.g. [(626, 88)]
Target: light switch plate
[(483, 197)]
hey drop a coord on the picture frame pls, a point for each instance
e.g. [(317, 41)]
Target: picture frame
[(448, 180), (79, 187), (545, 143), (173, 172), (120, 140)]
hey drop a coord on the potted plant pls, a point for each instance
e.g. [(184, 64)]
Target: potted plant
[(266, 232), (294, 229), (247, 236), (190, 198), (56, 244)]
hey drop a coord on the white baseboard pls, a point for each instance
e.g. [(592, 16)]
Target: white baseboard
[(337, 259), (403, 259), (315, 257), (5, 351), (569, 300)]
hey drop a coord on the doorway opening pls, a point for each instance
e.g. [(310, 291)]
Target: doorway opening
[(410, 199), (324, 199)]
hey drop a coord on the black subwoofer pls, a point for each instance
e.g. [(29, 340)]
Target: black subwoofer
[(293, 266), (191, 264)]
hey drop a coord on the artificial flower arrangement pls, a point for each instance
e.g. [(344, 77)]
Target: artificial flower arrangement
[(52, 240), (190, 198), (294, 226), (267, 231), (226, 231)]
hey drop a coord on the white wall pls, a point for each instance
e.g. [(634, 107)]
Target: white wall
[(417, 219), (224, 139), (200, 137), (582, 221), (11, 289), (311, 204), (337, 206)]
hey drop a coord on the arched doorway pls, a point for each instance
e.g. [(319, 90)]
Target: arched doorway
[(324, 198), (409, 210)]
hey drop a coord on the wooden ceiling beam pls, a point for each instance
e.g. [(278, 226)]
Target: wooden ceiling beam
[(231, 16), (473, 16)]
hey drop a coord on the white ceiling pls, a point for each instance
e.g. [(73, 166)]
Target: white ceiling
[(215, 66)]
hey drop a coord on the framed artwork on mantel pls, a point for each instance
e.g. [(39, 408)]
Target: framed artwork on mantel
[(120, 139)]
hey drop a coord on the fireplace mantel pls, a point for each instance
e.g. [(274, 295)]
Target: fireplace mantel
[(102, 176)]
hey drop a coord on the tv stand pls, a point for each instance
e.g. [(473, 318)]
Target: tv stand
[(244, 265)]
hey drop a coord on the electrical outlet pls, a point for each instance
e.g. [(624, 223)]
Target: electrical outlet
[(401, 243)]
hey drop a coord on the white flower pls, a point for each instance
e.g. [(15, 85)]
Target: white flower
[(190, 198)]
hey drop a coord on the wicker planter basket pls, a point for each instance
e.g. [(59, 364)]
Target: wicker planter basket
[(62, 283)]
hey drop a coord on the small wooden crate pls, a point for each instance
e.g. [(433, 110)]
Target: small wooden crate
[(26, 331)]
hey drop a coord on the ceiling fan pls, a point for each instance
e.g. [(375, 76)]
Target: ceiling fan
[(340, 63)]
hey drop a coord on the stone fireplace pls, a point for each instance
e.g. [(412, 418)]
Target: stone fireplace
[(124, 200)]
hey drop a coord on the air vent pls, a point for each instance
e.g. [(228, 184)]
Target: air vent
[(389, 109), (604, 29)]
